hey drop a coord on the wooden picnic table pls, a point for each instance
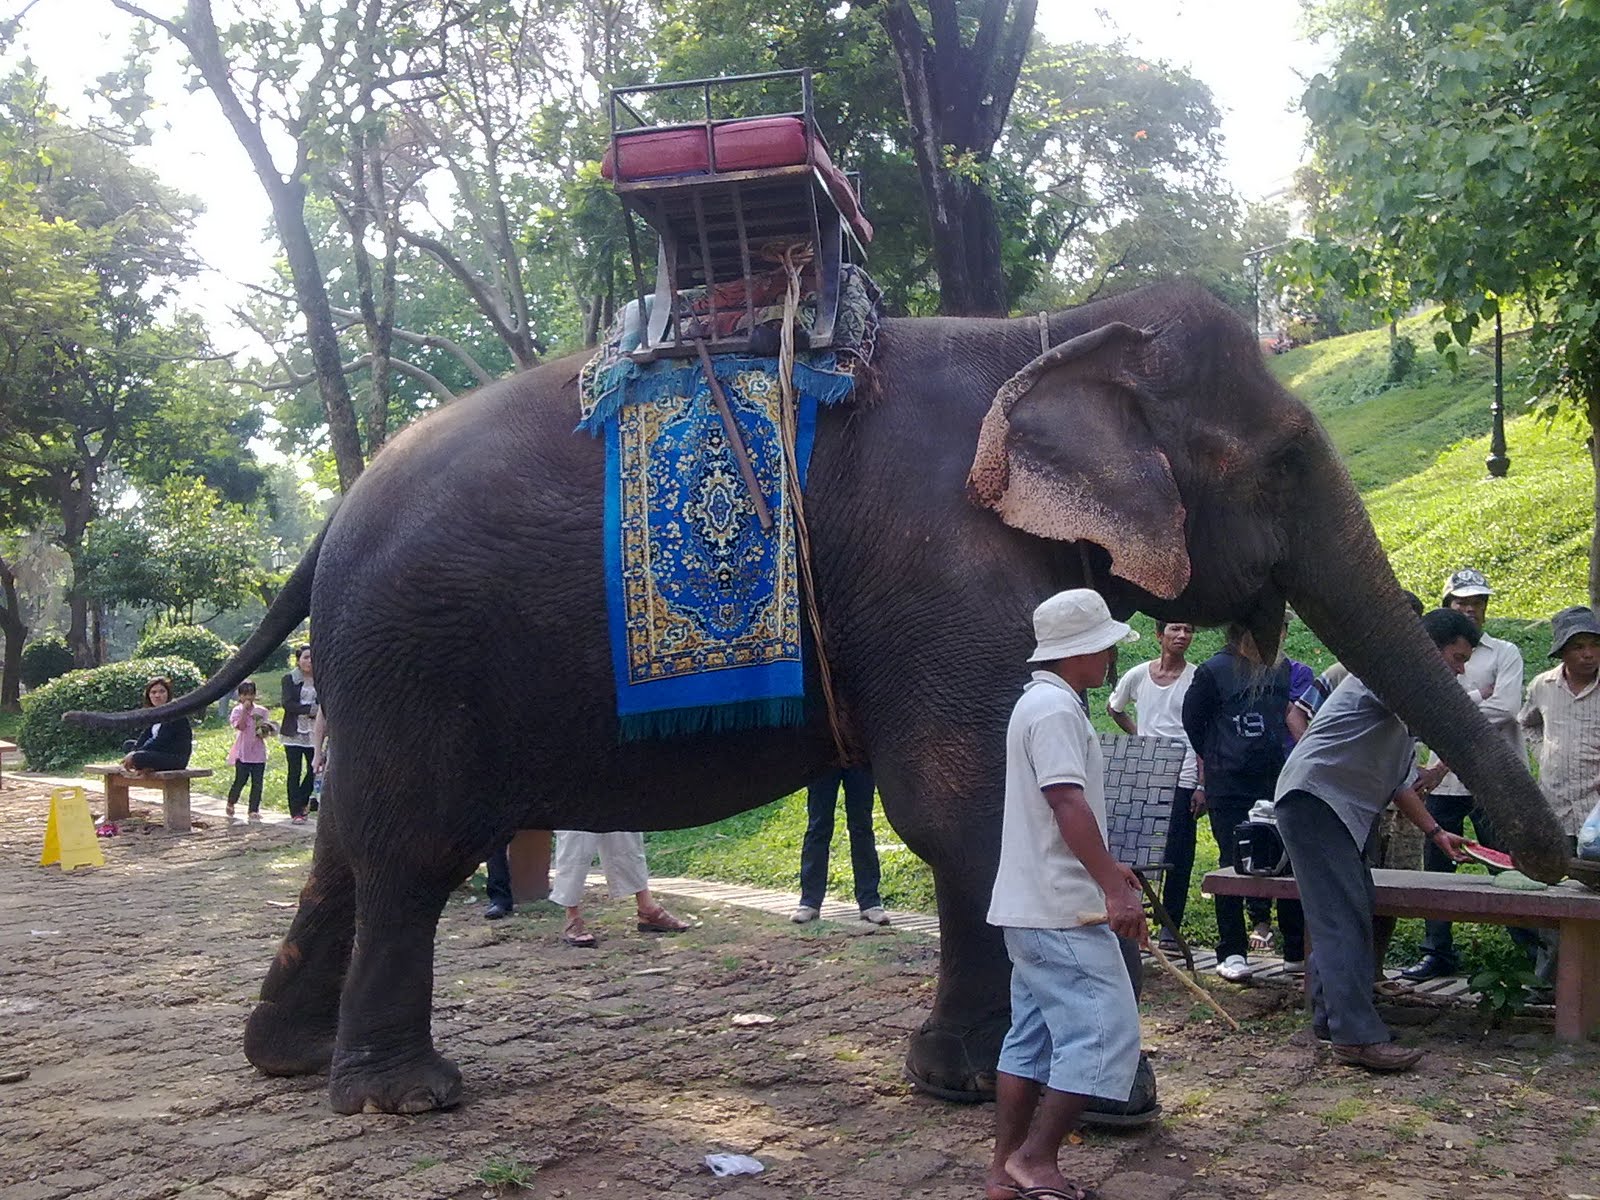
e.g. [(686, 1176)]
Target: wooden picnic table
[(1568, 907), (174, 787)]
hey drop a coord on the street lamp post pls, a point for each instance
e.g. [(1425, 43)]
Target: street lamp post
[(1498, 462)]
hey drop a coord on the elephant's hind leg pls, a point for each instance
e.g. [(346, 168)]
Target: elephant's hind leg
[(385, 1060), (292, 1030)]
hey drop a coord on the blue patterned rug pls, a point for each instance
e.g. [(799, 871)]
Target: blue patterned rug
[(704, 607)]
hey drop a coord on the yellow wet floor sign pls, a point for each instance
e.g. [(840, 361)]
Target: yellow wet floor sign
[(69, 838)]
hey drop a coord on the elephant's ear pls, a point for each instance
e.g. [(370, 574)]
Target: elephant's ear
[(1066, 453)]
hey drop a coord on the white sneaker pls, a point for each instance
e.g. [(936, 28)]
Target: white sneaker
[(1235, 968), (875, 915), (1294, 966), (805, 913)]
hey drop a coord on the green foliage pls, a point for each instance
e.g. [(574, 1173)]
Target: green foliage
[(181, 548), (50, 745), (1402, 357), (44, 659), (194, 643), (1502, 990), (506, 1174), (1459, 141)]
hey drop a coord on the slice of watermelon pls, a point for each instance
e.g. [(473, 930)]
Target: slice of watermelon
[(1490, 858)]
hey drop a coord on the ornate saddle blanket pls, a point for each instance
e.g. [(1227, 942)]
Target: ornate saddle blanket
[(703, 606)]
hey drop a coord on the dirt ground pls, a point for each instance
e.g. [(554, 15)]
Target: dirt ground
[(124, 989)]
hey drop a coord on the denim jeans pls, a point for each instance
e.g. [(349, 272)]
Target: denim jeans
[(821, 797)]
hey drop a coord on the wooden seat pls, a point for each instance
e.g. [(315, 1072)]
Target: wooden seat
[(712, 218), (1568, 907), (174, 792)]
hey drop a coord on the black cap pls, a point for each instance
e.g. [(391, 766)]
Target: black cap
[(1568, 624)]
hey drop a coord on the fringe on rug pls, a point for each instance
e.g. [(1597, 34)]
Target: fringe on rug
[(713, 718)]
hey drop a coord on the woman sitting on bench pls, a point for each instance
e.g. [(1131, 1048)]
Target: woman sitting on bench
[(166, 745)]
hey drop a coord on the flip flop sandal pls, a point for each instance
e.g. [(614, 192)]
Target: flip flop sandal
[(661, 921), (582, 939)]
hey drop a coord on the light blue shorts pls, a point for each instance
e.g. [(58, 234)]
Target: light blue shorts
[(1074, 1021)]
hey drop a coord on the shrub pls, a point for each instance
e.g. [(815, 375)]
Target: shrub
[(43, 659), (1402, 357), (51, 745), (194, 642)]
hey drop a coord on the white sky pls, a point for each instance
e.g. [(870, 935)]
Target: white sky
[(1252, 55)]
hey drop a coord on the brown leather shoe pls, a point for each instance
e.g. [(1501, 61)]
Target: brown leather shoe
[(1378, 1056)]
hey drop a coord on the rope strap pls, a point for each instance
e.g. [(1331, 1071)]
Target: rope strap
[(794, 258)]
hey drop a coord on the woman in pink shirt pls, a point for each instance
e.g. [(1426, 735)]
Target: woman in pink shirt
[(249, 752)]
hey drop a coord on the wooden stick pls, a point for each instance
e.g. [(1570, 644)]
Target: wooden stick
[(735, 440), (1200, 993)]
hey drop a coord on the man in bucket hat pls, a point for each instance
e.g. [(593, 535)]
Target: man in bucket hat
[(1562, 717), (1493, 680), (1062, 902)]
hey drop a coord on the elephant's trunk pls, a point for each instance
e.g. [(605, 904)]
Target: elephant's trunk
[(1339, 580)]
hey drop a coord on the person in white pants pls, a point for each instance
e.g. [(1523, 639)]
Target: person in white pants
[(622, 860)]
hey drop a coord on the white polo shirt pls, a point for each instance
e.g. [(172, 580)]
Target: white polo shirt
[(1041, 884)]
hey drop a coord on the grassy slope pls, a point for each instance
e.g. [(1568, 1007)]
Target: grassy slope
[(1417, 452)]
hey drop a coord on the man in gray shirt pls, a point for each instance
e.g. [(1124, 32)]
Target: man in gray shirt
[(1355, 758)]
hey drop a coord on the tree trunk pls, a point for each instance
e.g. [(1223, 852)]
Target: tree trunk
[(966, 248), (1592, 404), (16, 632), (288, 199), (78, 639), (957, 97)]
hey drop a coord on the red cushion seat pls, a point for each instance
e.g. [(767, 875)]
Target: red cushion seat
[(741, 145)]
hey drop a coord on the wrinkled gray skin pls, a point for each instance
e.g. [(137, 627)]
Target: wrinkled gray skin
[(458, 602)]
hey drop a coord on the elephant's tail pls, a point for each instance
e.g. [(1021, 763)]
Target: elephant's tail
[(291, 607)]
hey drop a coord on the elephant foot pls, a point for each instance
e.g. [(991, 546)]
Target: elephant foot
[(281, 1041), (956, 1062), (1140, 1108), (413, 1086)]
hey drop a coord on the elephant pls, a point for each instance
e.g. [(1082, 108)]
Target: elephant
[(458, 601)]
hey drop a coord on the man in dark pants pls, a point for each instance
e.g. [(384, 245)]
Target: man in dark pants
[(1355, 758), (1493, 681), (821, 798), (498, 868), (1234, 715)]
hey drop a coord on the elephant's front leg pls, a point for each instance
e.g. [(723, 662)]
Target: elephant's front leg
[(953, 1055), (955, 829)]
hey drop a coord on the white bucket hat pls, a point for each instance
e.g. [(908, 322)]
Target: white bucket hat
[(1076, 622)]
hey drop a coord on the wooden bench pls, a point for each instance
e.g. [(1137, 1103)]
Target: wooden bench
[(5, 749), (1568, 907), (174, 792)]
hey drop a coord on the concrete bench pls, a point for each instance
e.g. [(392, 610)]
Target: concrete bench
[(174, 787), (5, 749), (1568, 907)]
